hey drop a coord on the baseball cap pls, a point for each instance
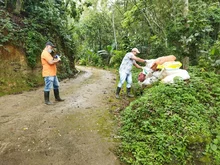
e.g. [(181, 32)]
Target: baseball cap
[(50, 43), (135, 50)]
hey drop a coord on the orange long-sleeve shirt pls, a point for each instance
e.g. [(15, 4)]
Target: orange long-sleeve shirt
[(48, 69)]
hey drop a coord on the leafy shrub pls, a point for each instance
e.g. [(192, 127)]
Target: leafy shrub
[(212, 60), (90, 58), (193, 36), (96, 60), (64, 68), (9, 29), (33, 46), (174, 123), (116, 59)]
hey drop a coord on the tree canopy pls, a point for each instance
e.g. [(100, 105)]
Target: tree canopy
[(157, 28)]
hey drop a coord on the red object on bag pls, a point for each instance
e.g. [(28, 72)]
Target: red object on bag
[(141, 77)]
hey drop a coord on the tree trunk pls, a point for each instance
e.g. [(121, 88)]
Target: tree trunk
[(185, 12), (186, 8), (18, 6), (113, 26), (186, 63)]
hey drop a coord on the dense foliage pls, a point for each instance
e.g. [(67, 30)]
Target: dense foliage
[(30, 24), (157, 28), (175, 123)]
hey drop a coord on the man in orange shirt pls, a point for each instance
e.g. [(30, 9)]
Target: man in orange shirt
[(49, 73)]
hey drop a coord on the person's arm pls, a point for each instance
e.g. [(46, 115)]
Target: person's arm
[(53, 61), (138, 59), (50, 59), (137, 66)]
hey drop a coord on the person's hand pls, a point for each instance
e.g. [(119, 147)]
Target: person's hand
[(58, 57)]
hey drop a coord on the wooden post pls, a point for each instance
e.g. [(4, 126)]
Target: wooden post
[(186, 63)]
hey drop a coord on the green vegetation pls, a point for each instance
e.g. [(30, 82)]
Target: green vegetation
[(174, 123), (168, 124), (26, 25), (29, 24), (157, 28)]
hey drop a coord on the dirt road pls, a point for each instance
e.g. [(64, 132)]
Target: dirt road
[(78, 131)]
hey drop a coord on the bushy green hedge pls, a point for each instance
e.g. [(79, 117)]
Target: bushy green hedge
[(174, 123)]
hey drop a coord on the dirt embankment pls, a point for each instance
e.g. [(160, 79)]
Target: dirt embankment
[(78, 131)]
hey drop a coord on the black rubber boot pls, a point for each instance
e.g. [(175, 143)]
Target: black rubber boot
[(57, 95), (46, 98), (117, 92), (129, 92)]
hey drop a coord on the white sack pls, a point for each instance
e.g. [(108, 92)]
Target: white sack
[(149, 81), (149, 63), (171, 74)]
